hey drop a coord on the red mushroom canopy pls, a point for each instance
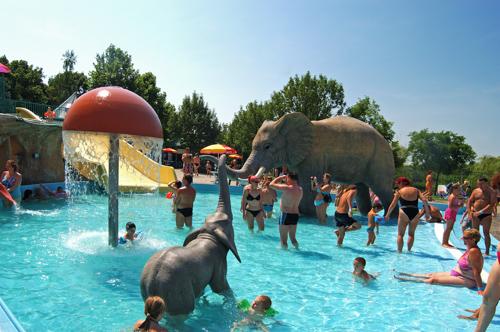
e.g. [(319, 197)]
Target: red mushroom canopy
[(113, 110)]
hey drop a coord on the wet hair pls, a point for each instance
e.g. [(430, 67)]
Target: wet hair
[(473, 233), (130, 225), (178, 184), (13, 164), (328, 176), (266, 301), (154, 306), (455, 186), (483, 179), (189, 178), (377, 206), (28, 193), (59, 188), (361, 260), (293, 176), (404, 181)]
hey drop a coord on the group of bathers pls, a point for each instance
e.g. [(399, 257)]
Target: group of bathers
[(327, 198)]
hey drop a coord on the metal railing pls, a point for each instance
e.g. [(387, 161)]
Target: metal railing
[(9, 106)]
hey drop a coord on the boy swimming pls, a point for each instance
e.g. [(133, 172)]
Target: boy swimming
[(255, 314), (359, 270)]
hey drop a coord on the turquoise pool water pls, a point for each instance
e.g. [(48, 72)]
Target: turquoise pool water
[(57, 272)]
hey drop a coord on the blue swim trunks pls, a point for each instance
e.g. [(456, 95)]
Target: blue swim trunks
[(268, 207)]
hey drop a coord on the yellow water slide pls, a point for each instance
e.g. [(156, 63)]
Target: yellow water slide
[(138, 173)]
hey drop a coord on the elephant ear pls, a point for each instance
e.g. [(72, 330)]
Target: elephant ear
[(297, 130), (191, 236), (221, 235)]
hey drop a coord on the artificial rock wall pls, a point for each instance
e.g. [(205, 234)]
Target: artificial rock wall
[(36, 146)]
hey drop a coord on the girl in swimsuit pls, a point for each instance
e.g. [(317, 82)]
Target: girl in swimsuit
[(12, 179), (269, 196), (451, 213), (251, 204), (154, 309), (408, 214), (467, 272), (323, 197)]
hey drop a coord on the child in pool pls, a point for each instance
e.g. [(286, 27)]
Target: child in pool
[(174, 185), (359, 270), (255, 314), (154, 308), (372, 223), (130, 233)]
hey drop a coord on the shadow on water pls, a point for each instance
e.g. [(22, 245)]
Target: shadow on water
[(312, 255), (427, 255)]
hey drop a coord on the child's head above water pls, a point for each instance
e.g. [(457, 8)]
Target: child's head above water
[(261, 303), (359, 264)]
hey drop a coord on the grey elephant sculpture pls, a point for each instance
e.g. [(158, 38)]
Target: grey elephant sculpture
[(180, 274), (349, 149)]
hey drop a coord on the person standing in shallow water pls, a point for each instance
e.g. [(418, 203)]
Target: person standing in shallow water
[(343, 213), (323, 197), (289, 205), (184, 202), (408, 214), (154, 309), (480, 207)]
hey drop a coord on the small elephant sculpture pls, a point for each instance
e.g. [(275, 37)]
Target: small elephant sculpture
[(180, 274), (352, 151)]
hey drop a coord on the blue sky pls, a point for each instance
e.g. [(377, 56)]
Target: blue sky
[(428, 64)]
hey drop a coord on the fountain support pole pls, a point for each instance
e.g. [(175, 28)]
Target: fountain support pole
[(114, 158)]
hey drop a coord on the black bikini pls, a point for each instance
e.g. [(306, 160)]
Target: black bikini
[(410, 208), (251, 198)]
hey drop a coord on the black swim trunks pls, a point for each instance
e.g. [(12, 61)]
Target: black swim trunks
[(254, 213), (289, 218), (186, 212), (343, 220)]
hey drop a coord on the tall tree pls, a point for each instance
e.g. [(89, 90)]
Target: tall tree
[(443, 152), (64, 84), (246, 123), (316, 97), (114, 68), (367, 110), (400, 154), (486, 166), (69, 60), (25, 82), (195, 125)]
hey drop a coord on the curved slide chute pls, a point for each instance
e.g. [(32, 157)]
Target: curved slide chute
[(27, 114), (138, 173)]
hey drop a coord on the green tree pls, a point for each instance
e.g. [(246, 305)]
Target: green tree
[(246, 123), (443, 152), (114, 68), (400, 154), (195, 125), (25, 82), (317, 97), (69, 60), (367, 110), (64, 84), (486, 166)]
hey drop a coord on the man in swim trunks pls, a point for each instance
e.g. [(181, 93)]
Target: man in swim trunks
[(187, 163), (480, 207), (343, 214), (289, 205), (184, 202)]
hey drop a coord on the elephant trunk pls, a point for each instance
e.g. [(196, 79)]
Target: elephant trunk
[(249, 168), (224, 204)]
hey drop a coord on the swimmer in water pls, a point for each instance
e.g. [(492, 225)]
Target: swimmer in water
[(130, 233), (372, 223), (359, 270), (255, 314)]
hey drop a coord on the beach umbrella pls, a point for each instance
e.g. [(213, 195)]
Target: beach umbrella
[(4, 69), (235, 156), (217, 149), (170, 150)]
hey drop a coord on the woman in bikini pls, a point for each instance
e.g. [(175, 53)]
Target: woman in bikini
[(454, 203), (408, 214), (323, 197), (12, 179), (251, 204), (467, 272)]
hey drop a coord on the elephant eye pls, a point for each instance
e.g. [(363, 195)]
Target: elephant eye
[(267, 146)]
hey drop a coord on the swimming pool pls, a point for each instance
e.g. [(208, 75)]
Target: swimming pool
[(57, 272)]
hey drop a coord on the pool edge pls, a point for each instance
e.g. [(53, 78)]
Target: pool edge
[(8, 321)]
